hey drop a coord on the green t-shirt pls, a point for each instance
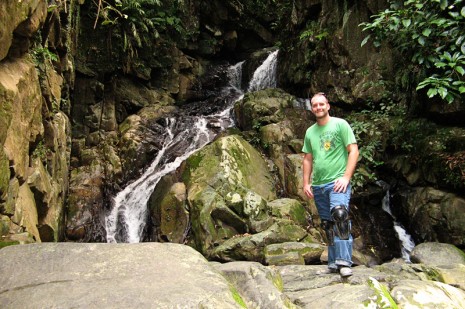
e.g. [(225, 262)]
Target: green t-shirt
[(328, 146)]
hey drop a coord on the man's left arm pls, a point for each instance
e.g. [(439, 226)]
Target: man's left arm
[(341, 184)]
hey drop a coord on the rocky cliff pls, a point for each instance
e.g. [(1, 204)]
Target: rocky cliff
[(35, 126)]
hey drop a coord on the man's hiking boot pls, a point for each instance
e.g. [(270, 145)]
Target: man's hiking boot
[(345, 271)]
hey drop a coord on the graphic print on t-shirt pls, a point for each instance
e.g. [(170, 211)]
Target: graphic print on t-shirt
[(327, 140)]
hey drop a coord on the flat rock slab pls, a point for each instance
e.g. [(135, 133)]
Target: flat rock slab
[(144, 275)]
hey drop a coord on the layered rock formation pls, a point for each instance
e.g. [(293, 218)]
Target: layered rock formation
[(35, 133)]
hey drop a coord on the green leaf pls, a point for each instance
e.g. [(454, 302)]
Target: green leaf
[(449, 98), (460, 70), (432, 92), (462, 12), (447, 56), (443, 4), (406, 22), (365, 40), (462, 89), (421, 40), (426, 32), (51, 8), (442, 92)]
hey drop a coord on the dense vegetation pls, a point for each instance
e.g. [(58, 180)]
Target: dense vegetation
[(431, 37), (137, 24)]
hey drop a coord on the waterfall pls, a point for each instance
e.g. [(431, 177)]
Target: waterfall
[(235, 75), (405, 239), (131, 204), (265, 75), (127, 220)]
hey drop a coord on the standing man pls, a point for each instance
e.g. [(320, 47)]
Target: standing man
[(331, 153)]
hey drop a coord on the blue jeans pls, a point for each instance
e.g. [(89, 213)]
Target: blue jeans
[(326, 199)]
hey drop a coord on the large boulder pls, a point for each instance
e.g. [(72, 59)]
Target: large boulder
[(251, 247), (228, 187), (146, 275), (432, 253), (168, 207), (69, 275), (263, 107), (273, 123)]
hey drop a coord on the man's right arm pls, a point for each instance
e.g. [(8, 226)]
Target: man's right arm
[(307, 166)]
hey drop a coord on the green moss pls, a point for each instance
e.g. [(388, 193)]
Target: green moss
[(4, 172), (278, 282), (237, 297), (4, 244), (432, 273)]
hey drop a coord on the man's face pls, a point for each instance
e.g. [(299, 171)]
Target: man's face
[(320, 106)]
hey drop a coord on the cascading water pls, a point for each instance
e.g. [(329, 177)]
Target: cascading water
[(265, 75), (406, 240), (127, 219)]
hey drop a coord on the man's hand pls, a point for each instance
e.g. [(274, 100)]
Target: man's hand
[(308, 191), (340, 185)]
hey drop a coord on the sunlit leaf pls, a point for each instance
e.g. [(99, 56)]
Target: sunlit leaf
[(460, 70), (432, 92), (442, 92), (365, 40)]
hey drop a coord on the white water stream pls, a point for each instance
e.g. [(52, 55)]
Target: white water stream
[(127, 219), (265, 75), (405, 239)]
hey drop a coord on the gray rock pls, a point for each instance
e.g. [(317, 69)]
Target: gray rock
[(427, 294), (145, 275), (260, 286), (163, 275), (432, 253)]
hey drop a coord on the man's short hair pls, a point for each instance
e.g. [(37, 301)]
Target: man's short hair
[(319, 94)]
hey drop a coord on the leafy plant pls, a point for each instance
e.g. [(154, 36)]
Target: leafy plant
[(41, 151), (43, 54), (431, 37), (370, 126), (312, 33), (139, 23)]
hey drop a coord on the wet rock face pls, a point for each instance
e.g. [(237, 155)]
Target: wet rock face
[(432, 215), (375, 226)]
